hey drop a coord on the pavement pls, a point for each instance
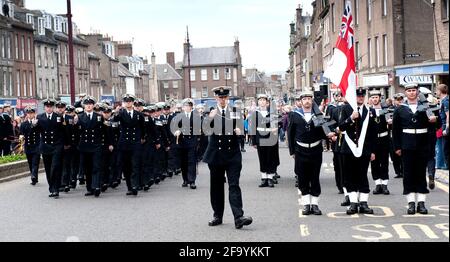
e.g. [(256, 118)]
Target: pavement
[(170, 213)]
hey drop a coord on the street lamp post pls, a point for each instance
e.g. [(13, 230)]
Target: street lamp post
[(70, 42)]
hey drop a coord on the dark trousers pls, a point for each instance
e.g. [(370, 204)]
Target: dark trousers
[(415, 172), (130, 166), (5, 148), (106, 170), (71, 163), (446, 150), (158, 165), (380, 167), (149, 164), (242, 142), (188, 156), (115, 171), (52, 164), (308, 171), (33, 164), (355, 173), (397, 161), (202, 147), (173, 159), (337, 162), (233, 172), (92, 165)]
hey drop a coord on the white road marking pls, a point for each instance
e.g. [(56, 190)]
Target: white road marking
[(73, 239), (304, 231)]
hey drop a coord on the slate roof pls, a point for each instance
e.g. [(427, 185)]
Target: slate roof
[(165, 72), (212, 56)]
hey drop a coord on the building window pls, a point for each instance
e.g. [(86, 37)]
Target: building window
[(10, 83), (23, 47), (326, 31), (166, 97), (30, 19), (4, 84), (18, 83), (66, 52), (444, 9), (41, 26), (85, 62), (53, 88), (193, 92), (384, 7), (369, 10), (3, 46), (52, 57), (9, 46), (385, 48), (48, 22), (333, 16), (369, 51), (204, 92), (68, 85), (16, 42), (356, 12), (166, 84), (45, 57), (204, 74), (30, 83), (29, 48), (307, 30), (175, 84), (377, 52), (47, 87), (59, 54), (86, 83), (228, 73), (40, 88), (79, 58), (216, 73), (39, 56), (24, 78), (192, 74)]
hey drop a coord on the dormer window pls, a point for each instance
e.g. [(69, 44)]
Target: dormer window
[(58, 23), (30, 19), (48, 21), (165, 70), (41, 26)]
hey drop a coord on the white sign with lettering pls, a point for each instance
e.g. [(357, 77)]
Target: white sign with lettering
[(424, 80)]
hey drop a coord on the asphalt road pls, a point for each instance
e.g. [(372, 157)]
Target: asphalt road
[(170, 213)]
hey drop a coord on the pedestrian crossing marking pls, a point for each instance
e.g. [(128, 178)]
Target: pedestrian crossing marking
[(441, 186), (387, 212), (418, 216), (340, 215), (403, 234), (443, 227), (304, 231)]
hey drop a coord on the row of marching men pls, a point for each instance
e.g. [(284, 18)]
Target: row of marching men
[(95, 145), (363, 137)]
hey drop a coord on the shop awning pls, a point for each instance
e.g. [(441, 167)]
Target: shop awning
[(434, 68)]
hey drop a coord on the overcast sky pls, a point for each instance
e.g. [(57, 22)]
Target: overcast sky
[(261, 26)]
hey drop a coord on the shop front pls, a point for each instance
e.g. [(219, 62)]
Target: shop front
[(422, 73), (382, 82)]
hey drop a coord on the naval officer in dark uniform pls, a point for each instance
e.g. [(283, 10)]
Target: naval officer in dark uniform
[(410, 132), (305, 146), (92, 132), (265, 140), (356, 168), (32, 140), (132, 126), (51, 128), (223, 156), (380, 166)]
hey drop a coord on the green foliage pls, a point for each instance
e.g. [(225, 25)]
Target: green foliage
[(11, 159)]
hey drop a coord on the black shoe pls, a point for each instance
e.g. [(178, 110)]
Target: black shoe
[(132, 192), (185, 184), (385, 190), (243, 150), (412, 208), (270, 183), (146, 188), (67, 189), (275, 181), (82, 182), (353, 209), (315, 210), (264, 183), (163, 177), (378, 190), (114, 185), (33, 183), (62, 189), (306, 210), (151, 183), (364, 208), (140, 188), (242, 221), (51, 195), (90, 193), (56, 195), (399, 176), (157, 181), (104, 188), (215, 222), (170, 174), (346, 202), (193, 186), (73, 184), (97, 192), (431, 183), (277, 176), (341, 191), (421, 209)]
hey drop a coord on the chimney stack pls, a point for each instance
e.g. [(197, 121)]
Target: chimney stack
[(125, 49), (170, 59)]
